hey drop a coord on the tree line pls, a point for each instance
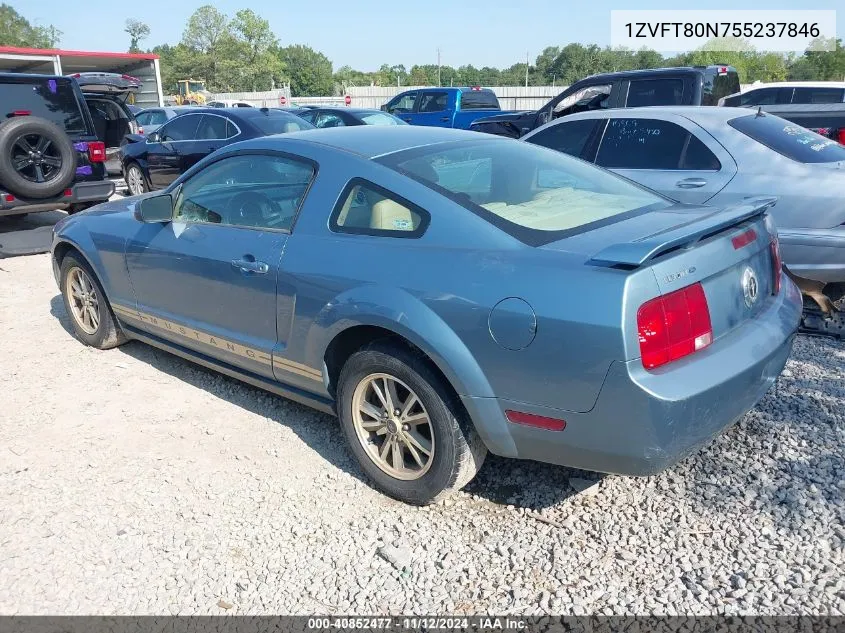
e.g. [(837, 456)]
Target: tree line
[(241, 53)]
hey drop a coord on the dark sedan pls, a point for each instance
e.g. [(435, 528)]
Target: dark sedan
[(155, 161), (341, 117)]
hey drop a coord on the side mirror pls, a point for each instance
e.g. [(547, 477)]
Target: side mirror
[(384, 107), (543, 117), (154, 137), (155, 209)]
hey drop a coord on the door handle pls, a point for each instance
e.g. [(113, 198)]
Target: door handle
[(407, 119), (249, 265), (444, 119), (691, 183)]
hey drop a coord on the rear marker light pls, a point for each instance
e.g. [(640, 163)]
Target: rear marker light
[(68, 193), (9, 197), (538, 421), (97, 152), (744, 239), (673, 326), (777, 263)]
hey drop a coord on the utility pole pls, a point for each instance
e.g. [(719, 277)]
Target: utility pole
[(526, 69), (438, 68)]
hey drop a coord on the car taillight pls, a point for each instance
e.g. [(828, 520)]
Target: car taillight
[(140, 129), (673, 326), (22, 113), (97, 152), (841, 136)]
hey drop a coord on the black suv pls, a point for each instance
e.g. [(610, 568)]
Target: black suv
[(50, 155), (689, 85)]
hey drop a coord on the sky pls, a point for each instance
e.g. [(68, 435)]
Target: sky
[(368, 33)]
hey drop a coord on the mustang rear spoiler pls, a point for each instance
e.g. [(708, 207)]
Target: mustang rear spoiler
[(637, 252)]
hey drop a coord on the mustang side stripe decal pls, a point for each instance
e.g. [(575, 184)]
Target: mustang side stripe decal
[(215, 341)]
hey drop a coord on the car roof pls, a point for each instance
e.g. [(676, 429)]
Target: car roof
[(371, 141), (712, 114), (350, 110), (796, 84), (622, 74)]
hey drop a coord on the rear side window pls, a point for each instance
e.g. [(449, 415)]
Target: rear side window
[(215, 127), (367, 209), (717, 85), (433, 102), (570, 137), (818, 95), (51, 99), (275, 122), (653, 92), (479, 100), (793, 141), (653, 144)]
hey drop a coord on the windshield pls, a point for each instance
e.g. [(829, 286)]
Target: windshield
[(535, 194), (380, 118), (793, 141), (275, 122), (196, 86)]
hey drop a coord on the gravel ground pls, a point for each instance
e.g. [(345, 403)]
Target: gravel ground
[(134, 482)]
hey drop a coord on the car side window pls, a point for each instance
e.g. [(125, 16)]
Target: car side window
[(212, 127), (405, 103), (247, 190), (653, 144), (308, 115), (182, 128), (818, 95), (761, 96), (364, 208), (570, 137), (432, 102), (653, 92), (328, 119)]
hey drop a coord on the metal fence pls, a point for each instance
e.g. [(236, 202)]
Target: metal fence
[(510, 97)]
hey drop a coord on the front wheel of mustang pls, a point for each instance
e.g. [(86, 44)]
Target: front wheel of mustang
[(404, 426), (86, 304)]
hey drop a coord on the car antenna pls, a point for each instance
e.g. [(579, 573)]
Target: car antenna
[(759, 112)]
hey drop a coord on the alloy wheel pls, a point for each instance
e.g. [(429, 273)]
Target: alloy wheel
[(135, 181), (83, 300), (393, 426), (36, 158)]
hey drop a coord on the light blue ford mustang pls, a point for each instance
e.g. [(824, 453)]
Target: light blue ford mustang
[(446, 293)]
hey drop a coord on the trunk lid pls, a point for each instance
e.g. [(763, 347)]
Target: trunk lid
[(728, 251)]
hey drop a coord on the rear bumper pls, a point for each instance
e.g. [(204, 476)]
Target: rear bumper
[(95, 191), (644, 422), (817, 254)]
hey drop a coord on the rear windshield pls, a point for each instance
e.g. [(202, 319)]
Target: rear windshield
[(275, 122), (793, 141), (51, 99), (535, 194), (380, 118), (479, 100)]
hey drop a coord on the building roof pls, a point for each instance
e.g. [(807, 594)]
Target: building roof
[(40, 60)]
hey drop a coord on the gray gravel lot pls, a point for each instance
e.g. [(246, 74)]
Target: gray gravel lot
[(134, 482)]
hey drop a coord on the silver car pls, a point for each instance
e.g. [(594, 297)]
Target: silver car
[(721, 156)]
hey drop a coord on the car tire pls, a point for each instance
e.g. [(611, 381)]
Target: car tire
[(135, 180), (31, 132), (435, 421), (82, 292)]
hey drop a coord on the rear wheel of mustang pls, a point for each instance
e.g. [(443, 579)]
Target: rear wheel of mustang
[(90, 314), (404, 426)]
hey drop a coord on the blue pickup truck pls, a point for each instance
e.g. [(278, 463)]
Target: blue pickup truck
[(444, 107)]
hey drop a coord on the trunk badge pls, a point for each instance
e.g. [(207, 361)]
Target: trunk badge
[(750, 286)]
